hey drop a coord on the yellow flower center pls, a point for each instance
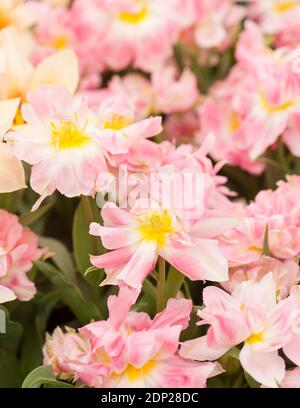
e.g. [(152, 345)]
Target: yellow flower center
[(155, 226), (117, 122), (273, 109), (5, 19), (102, 357), (255, 249), (136, 17), (135, 374), (255, 338), (19, 118), (235, 121), (61, 42), (68, 135), (285, 6)]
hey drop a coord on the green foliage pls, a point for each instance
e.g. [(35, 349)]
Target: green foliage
[(43, 376)]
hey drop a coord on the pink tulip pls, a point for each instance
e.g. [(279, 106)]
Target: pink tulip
[(129, 349)]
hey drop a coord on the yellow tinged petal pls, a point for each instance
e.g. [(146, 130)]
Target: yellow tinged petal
[(12, 175), (58, 69), (15, 70), (8, 110)]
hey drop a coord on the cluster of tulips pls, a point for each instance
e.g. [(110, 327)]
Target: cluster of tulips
[(149, 193)]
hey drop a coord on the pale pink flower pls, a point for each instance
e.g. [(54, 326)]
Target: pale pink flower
[(166, 92), (80, 27), (129, 349), (197, 158), (12, 175), (21, 77), (220, 117), (291, 135), (291, 379), (60, 139), (137, 90), (280, 211), (172, 94), (143, 157), (250, 315), (151, 229), (147, 163), (141, 33), (279, 18), (18, 248), (215, 22), (15, 13), (285, 273), (181, 128), (63, 351), (118, 128), (260, 96)]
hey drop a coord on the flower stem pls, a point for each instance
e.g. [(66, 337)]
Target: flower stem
[(161, 284)]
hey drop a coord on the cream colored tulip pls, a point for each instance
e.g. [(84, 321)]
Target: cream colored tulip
[(12, 175)]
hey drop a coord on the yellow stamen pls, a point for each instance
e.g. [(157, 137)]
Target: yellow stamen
[(134, 18), (272, 109), (102, 357), (117, 122), (255, 338), (5, 19), (135, 374), (235, 121), (255, 248), (61, 42), (155, 226), (19, 118), (286, 6), (67, 135)]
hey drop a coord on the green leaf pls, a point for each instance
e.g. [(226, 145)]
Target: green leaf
[(234, 352), (34, 317), (266, 249), (189, 332), (31, 217), (70, 294), (149, 297), (174, 282), (9, 345), (9, 373), (43, 375), (83, 243), (11, 201), (61, 258), (11, 339), (252, 383), (45, 304)]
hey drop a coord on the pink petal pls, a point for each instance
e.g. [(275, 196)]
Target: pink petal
[(203, 260), (113, 258), (58, 69), (114, 216), (177, 312), (140, 265), (12, 175), (292, 350), (266, 368), (198, 349), (120, 305), (8, 109), (145, 128), (114, 237)]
